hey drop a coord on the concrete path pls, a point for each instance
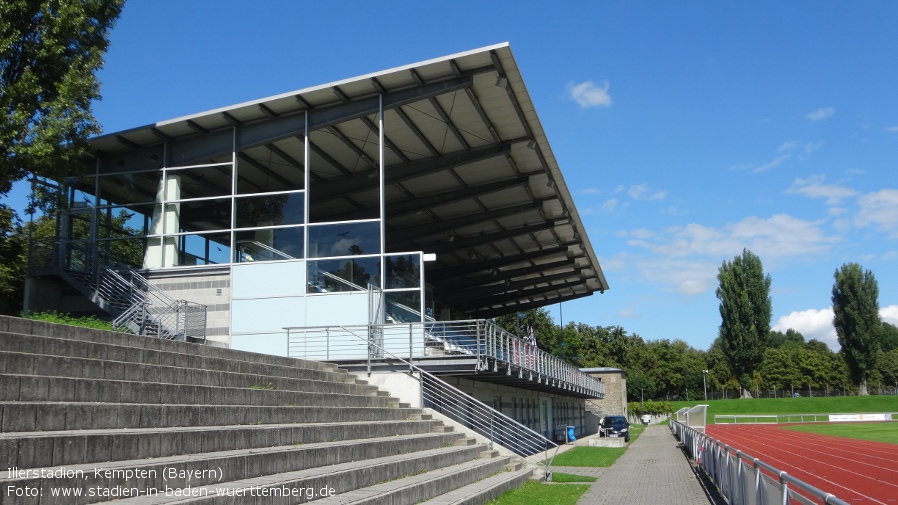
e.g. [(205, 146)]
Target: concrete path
[(653, 471)]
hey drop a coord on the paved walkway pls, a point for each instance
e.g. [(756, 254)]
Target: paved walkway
[(653, 471)]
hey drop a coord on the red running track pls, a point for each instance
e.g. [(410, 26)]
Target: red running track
[(855, 471)]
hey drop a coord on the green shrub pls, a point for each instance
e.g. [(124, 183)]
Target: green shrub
[(56, 317)]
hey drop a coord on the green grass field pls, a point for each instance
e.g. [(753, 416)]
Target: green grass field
[(534, 493), (886, 431), (818, 405)]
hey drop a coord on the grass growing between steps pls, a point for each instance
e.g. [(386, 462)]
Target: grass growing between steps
[(534, 493)]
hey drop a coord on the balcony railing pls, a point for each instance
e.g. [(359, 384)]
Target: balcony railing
[(492, 348)]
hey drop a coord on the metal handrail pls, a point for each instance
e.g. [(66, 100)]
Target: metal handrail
[(465, 409), (726, 466), (133, 299), (484, 341)]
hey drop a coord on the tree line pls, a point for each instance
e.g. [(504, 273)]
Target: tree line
[(747, 357)]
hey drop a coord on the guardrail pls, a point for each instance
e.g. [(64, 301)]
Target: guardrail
[(743, 479), (459, 406), (492, 347)]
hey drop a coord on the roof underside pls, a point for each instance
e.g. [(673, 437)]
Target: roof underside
[(469, 173)]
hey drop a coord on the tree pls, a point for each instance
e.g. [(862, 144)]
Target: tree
[(13, 244), (791, 337), (49, 53), (856, 319), (745, 312)]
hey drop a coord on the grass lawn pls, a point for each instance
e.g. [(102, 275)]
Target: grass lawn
[(886, 431), (569, 477), (803, 405), (589, 456), (534, 493)]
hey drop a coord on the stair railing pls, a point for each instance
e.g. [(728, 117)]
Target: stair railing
[(138, 305), (468, 411)]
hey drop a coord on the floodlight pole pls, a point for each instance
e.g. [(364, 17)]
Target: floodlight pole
[(705, 383)]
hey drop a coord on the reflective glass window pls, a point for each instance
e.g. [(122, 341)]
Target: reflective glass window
[(270, 210), (348, 274), (344, 239), (204, 249), (199, 182), (269, 244), (403, 306), (403, 271)]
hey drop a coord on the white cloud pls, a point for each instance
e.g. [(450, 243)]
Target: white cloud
[(818, 323), (812, 323), (813, 187), (821, 113), (879, 209), (629, 313), (812, 146), (643, 192), (609, 206), (587, 94), (778, 236), (788, 145), (893, 129), (773, 164), (889, 314), (686, 258)]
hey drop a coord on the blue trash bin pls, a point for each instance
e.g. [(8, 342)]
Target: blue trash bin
[(570, 434)]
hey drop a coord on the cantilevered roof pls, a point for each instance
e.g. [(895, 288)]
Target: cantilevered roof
[(470, 174)]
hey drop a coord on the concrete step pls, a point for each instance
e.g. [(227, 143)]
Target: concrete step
[(421, 486), (334, 479), (485, 490), (74, 333), (30, 360), (55, 416), (57, 448), (30, 388), (210, 468)]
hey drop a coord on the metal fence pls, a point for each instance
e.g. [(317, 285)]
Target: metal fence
[(448, 400), (491, 347), (743, 479)]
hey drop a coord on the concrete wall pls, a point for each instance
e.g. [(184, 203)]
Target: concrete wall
[(615, 401), (210, 287)]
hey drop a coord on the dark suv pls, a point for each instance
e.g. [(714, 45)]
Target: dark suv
[(615, 426)]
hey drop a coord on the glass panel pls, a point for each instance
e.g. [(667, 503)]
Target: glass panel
[(270, 210), (204, 249), (403, 306), (79, 225), (203, 215), (339, 175), (271, 167), (351, 274), (199, 182), (403, 271), (123, 189), (132, 221), (269, 244), (345, 239), (127, 251)]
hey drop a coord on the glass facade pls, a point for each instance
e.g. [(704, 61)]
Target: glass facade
[(268, 203)]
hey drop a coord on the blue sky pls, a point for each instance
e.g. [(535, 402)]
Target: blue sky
[(687, 131)]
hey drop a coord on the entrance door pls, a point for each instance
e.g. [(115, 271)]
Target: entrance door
[(546, 425)]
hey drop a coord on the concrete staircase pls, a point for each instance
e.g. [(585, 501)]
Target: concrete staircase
[(88, 416)]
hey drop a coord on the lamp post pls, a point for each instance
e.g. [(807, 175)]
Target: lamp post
[(705, 383)]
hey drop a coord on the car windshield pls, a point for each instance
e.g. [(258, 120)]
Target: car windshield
[(615, 422)]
